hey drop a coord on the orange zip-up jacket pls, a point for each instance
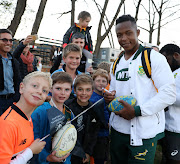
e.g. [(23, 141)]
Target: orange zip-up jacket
[(16, 133)]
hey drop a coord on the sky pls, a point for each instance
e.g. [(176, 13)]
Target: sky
[(54, 27)]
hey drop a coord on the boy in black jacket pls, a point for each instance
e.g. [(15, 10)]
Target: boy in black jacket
[(87, 124)]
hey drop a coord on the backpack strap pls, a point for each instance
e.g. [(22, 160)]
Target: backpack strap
[(116, 62), (146, 62)]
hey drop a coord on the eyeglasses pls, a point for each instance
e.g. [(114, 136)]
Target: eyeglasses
[(5, 40)]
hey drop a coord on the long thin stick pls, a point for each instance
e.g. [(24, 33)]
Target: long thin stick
[(39, 141), (84, 111), (106, 90), (44, 138)]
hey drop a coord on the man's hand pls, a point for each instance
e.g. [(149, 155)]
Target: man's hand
[(52, 158), (127, 112), (109, 96), (27, 40)]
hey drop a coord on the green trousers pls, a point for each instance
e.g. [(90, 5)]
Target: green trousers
[(123, 153)]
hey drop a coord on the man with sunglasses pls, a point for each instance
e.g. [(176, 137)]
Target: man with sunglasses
[(9, 72)]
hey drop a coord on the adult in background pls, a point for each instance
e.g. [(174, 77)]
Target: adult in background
[(27, 61), (53, 48), (171, 142), (9, 72), (86, 60), (135, 130)]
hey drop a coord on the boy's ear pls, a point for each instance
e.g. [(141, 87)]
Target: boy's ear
[(63, 59), (21, 87), (80, 19)]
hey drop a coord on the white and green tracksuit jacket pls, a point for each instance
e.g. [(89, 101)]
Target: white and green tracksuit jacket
[(173, 114), (150, 118)]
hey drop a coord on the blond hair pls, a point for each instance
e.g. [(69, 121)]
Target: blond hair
[(100, 72), (38, 74), (83, 79), (71, 47)]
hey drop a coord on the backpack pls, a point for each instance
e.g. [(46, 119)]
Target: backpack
[(146, 62)]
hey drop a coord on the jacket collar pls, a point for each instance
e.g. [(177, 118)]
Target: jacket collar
[(64, 69), (19, 111)]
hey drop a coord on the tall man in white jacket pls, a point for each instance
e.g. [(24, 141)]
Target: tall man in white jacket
[(135, 130), (171, 142)]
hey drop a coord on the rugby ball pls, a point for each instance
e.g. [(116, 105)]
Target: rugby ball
[(64, 140), (116, 106)]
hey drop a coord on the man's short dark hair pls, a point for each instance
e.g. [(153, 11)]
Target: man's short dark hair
[(5, 31), (170, 49), (125, 18), (78, 35)]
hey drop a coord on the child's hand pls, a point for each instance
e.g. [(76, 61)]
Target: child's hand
[(52, 158), (87, 159), (37, 146)]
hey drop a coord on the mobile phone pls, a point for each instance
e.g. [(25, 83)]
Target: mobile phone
[(34, 37)]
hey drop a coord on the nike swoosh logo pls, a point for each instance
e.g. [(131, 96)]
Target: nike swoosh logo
[(175, 152)]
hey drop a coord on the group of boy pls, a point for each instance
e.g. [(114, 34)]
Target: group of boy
[(19, 147), (134, 130)]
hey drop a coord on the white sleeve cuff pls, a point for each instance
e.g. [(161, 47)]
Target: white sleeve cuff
[(23, 158)]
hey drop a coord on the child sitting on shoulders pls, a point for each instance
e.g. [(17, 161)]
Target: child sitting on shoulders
[(84, 18)]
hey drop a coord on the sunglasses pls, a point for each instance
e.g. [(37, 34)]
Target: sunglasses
[(5, 40)]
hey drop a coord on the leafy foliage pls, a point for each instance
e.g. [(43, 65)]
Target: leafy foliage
[(6, 4)]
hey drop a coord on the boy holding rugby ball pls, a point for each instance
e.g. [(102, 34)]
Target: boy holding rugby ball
[(61, 90)]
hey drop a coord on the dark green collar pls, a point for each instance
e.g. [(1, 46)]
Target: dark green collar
[(141, 48)]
